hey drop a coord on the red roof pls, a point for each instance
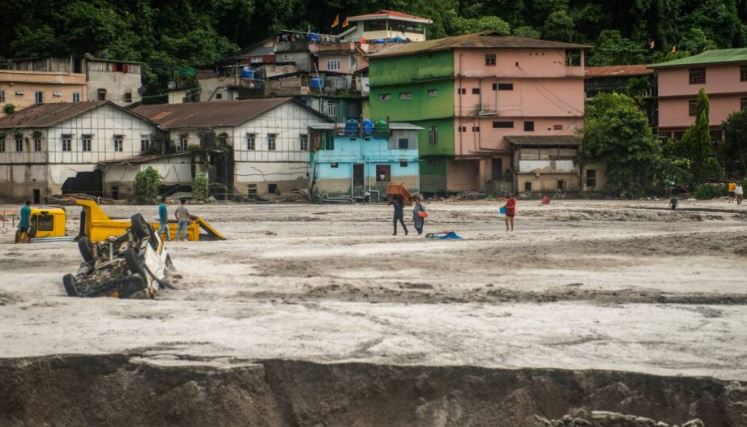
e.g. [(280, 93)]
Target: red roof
[(619, 70), (393, 14)]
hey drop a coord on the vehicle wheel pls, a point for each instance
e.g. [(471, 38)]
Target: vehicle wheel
[(130, 285), (69, 281), (142, 229), (134, 263), (139, 226), (86, 250)]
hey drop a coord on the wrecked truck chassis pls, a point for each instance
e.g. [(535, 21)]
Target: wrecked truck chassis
[(132, 265)]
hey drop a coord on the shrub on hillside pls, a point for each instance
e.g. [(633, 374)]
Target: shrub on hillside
[(710, 191)]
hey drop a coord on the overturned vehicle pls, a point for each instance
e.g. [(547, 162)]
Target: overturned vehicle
[(134, 264)]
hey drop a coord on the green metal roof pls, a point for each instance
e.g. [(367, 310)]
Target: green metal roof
[(715, 56)]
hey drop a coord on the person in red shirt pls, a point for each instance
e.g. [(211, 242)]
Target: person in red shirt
[(510, 212)]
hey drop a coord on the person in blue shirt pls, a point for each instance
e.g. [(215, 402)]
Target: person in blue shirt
[(25, 223), (163, 219)]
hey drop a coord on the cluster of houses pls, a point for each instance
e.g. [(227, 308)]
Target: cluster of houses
[(341, 114)]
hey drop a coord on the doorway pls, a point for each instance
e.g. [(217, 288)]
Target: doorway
[(37, 196), (497, 169), (358, 179)]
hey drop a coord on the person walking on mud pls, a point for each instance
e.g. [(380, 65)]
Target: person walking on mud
[(182, 218), (163, 219), (419, 215), (510, 212), (24, 224), (739, 192), (399, 213)]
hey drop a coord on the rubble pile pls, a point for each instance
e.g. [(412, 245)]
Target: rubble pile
[(582, 418)]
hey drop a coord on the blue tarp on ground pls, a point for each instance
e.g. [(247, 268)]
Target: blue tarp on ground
[(444, 235)]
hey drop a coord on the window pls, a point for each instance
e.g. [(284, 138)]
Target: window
[(2, 143), (432, 92), (19, 142), (475, 91), (85, 142), (743, 103), (433, 135), (692, 107), (183, 143), (557, 127), (503, 86), (272, 188), (405, 95), (527, 187), (128, 97), (503, 125), (76, 96), (462, 91), (45, 222), (475, 128), (333, 63), (144, 143), (101, 94), (490, 59), (223, 139), (385, 97), (403, 143), (218, 96), (383, 173), (251, 190), (303, 140), (529, 126), (334, 165), (37, 141), (2, 96), (331, 109), (697, 76), (462, 129), (742, 76), (403, 163), (271, 141), (573, 57), (118, 143), (591, 178), (38, 97), (251, 141)]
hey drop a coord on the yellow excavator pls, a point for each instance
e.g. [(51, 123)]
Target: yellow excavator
[(49, 224)]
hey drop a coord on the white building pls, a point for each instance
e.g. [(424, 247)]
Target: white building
[(55, 148), (385, 24), (247, 147)]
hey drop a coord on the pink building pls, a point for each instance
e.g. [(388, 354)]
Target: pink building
[(518, 108), (722, 73)]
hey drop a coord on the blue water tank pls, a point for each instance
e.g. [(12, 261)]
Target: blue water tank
[(314, 37), (368, 127), (316, 83), (247, 73), (351, 127)]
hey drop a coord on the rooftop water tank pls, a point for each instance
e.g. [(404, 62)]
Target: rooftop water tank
[(316, 83), (351, 127), (247, 73), (368, 127)]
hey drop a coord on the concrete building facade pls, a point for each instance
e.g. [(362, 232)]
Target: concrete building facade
[(55, 148), (350, 164), (385, 24), (723, 75), (246, 147), (470, 93), (22, 89)]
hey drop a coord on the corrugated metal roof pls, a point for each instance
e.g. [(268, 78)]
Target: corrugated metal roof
[(715, 56), (618, 70), (545, 140), (46, 115), (482, 40), (390, 14), (209, 114)]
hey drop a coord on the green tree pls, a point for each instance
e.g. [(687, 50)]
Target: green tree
[(617, 134), (527, 31), (614, 49), (559, 26), (733, 151), (696, 145), (695, 41), (147, 184), (200, 187)]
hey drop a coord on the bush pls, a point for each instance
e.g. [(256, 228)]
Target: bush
[(200, 187), (9, 109), (147, 183), (710, 191)]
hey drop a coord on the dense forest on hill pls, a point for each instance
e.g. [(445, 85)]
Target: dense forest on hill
[(166, 35)]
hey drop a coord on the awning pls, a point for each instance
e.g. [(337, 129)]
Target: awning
[(544, 141)]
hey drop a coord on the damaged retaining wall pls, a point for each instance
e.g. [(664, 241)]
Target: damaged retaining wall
[(122, 390)]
